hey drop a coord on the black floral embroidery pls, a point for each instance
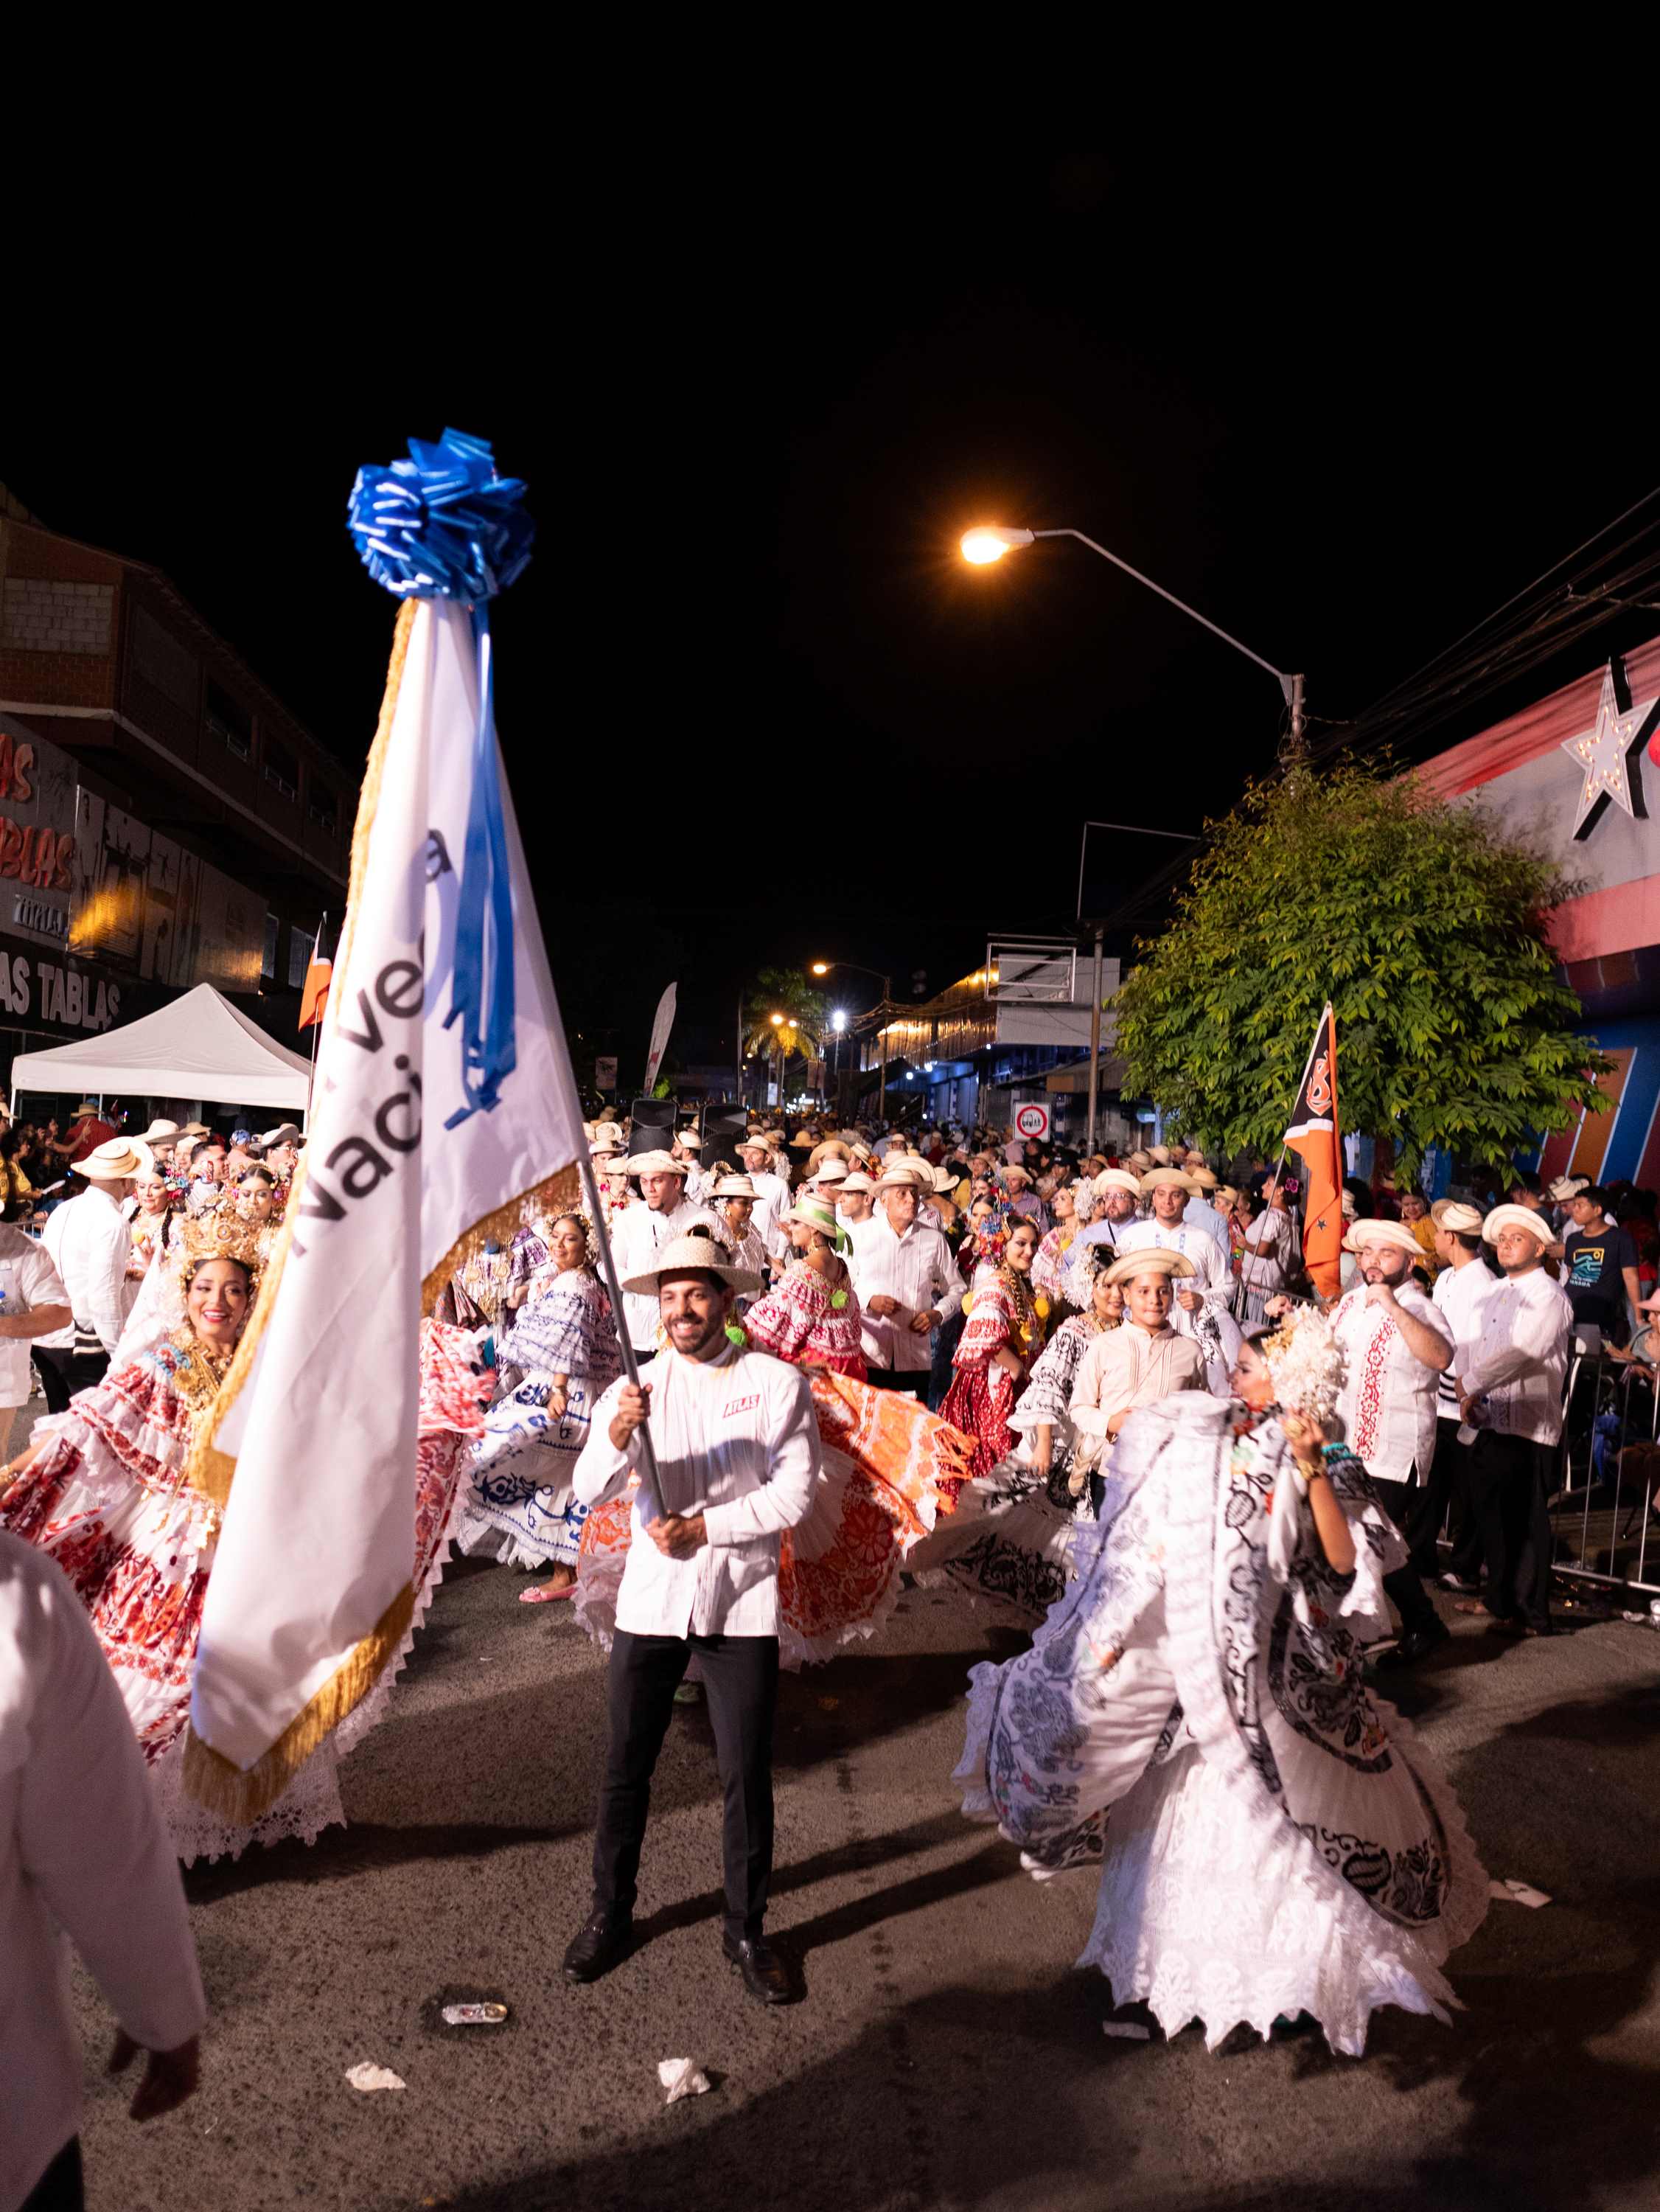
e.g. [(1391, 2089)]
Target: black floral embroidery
[(995, 1568)]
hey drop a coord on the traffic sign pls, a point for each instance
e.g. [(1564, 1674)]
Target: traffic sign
[(1031, 1121)]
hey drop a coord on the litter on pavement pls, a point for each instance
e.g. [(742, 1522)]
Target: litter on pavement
[(1517, 1892), (681, 2077), (367, 2075)]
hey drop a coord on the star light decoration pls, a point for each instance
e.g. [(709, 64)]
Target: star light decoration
[(1608, 754)]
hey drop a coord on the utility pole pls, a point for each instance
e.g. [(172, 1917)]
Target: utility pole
[(738, 1049), (1294, 748), (881, 1047), (1094, 1044)]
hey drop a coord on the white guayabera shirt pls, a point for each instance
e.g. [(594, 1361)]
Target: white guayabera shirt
[(737, 1439), (1388, 1396), (917, 1270)]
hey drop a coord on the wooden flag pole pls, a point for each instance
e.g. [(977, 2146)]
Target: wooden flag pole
[(650, 1489)]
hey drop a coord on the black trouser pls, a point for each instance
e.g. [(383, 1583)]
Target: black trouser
[(1510, 1481), (946, 1337), (1404, 1587), (63, 1373), (1448, 1487), (741, 1683), (60, 2188), (914, 1381)]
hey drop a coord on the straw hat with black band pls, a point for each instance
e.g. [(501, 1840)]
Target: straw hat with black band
[(699, 1255)]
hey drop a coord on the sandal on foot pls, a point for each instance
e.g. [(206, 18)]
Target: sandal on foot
[(541, 1593)]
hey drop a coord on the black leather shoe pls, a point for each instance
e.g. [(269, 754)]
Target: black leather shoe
[(763, 1971), (1417, 1643), (602, 1940)]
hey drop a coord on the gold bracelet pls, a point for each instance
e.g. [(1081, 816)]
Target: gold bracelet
[(1310, 1471)]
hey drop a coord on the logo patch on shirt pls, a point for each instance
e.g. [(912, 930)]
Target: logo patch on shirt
[(740, 1406)]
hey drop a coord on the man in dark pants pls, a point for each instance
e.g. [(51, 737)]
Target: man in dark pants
[(1511, 1391), (736, 1445)]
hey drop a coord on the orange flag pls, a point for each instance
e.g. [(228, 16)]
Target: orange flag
[(1315, 1134), (314, 995)]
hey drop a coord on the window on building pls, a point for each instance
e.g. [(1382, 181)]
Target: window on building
[(229, 722), (322, 805), (301, 944), (268, 965), (282, 769)]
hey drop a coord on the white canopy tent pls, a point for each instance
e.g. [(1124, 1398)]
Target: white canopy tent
[(199, 1046)]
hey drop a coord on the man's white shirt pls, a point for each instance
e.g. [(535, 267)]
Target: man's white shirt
[(1389, 1397), (916, 1269), (27, 1280), (1458, 1296), (737, 1439), (637, 1235), (89, 1244), (1521, 1360)]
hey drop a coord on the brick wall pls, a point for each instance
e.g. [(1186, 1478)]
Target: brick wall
[(40, 615)]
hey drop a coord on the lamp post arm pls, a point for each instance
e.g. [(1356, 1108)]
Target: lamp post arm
[(1284, 681)]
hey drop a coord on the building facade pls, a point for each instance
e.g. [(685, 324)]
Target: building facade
[(164, 821), (993, 1042), (1575, 774)]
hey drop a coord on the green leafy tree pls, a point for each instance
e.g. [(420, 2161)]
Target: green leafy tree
[(806, 1014), (1420, 920)]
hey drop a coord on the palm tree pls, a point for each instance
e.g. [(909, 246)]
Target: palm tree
[(806, 1016)]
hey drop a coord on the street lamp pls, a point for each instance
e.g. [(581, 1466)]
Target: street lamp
[(988, 542), (823, 967)]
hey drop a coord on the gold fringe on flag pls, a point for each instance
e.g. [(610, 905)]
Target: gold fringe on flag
[(558, 1193), (239, 1795), (213, 1781)]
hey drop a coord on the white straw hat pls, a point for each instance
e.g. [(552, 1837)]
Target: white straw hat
[(1150, 1259), (696, 1253), (1117, 1179), (1167, 1179), (654, 1164), (118, 1161), (1517, 1217), (1395, 1233)]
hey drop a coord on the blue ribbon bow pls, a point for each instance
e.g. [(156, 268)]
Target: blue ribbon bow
[(443, 524)]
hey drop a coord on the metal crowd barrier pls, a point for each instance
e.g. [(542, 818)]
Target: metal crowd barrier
[(1603, 1528)]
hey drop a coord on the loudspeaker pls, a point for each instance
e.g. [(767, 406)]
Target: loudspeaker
[(721, 1132), (653, 1130)]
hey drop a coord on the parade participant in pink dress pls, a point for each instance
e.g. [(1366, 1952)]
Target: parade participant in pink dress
[(108, 1490), (811, 1316), (1003, 1336)]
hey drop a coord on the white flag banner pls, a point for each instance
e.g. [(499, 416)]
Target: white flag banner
[(660, 1029), (444, 1098)]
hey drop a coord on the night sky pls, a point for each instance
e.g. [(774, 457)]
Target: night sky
[(755, 708)]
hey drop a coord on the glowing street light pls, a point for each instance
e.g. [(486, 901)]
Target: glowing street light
[(839, 1020), (821, 967), (777, 1020), (989, 542)]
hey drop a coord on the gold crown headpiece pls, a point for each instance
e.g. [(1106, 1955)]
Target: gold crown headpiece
[(220, 1234)]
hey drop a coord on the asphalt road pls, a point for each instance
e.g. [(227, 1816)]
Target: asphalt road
[(946, 2054)]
